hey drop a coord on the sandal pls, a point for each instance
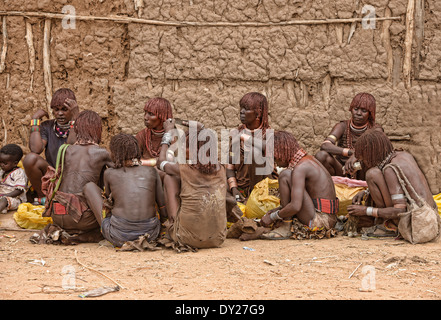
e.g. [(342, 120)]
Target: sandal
[(379, 231)]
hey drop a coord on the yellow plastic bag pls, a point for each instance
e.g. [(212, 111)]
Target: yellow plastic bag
[(345, 194), (437, 199), (261, 200), (29, 216), (242, 207)]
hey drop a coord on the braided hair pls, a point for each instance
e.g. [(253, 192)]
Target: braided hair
[(259, 104), (372, 147), (365, 101), (60, 96), (285, 146), (88, 127), (209, 168), (124, 147), (160, 107)]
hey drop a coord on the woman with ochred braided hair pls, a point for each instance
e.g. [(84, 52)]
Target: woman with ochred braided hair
[(306, 190), (156, 111), (337, 151), (47, 136)]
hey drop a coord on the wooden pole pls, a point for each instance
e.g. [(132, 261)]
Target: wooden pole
[(5, 45), (47, 65), (419, 35), (31, 51), (407, 64), (123, 19)]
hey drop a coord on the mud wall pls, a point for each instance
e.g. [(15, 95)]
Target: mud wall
[(308, 72)]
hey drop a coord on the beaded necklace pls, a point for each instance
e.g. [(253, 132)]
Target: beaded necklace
[(148, 142), (61, 131), (350, 129), (386, 160), (297, 157)]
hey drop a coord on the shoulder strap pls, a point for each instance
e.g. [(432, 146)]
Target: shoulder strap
[(60, 162), (404, 182)]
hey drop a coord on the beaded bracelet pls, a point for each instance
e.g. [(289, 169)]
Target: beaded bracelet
[(35, 122), (35, 128)]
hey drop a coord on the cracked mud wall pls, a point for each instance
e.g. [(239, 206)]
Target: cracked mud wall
[(309, 73)]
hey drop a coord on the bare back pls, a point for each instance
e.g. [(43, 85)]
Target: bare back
[(134, 191), (413, 172), (318, 182), (83, 164)]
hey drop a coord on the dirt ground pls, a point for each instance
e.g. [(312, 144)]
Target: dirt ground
[(339, 268)]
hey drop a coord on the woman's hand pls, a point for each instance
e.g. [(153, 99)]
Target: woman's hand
[(266, 219), (358, 198), (349, 165), (357, 210), (169, 124), (72, 106), (237, 195)]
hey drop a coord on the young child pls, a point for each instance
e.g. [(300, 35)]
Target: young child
[(133, 190), (13, 179)]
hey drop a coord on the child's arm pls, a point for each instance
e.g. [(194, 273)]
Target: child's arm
[(159, 198), (13, 194)]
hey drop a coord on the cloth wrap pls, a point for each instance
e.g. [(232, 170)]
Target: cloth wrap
[(118, 230)]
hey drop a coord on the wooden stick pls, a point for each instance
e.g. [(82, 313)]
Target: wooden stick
[(31, 51), (5, 46), (99, 272), (17, 229), (47, 65), (122, 19), (6, 132), (407, 65), (350, 276), (385, 36), (419, 35)]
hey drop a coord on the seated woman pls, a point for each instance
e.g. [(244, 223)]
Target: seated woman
[(242, 177), (375, 151), (199, 220), (337, 151), (84, 162), (156, 111), (48, 136), (306, 190)]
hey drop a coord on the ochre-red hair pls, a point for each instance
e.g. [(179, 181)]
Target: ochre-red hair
[(257, 102), (124, 147), (160, 107), (88, 127), (365, 101), (372, 147), (285, 146), (60, 96)]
